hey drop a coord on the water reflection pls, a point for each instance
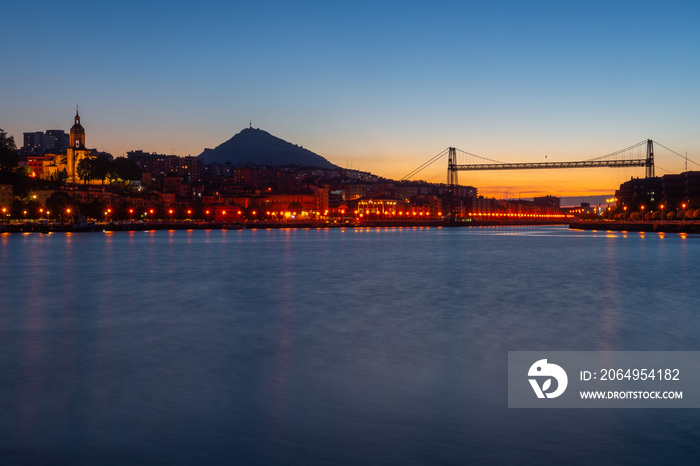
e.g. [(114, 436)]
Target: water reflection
[(349, 346)]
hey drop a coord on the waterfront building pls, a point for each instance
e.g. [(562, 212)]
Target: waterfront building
[(669, 190), (384, 207)]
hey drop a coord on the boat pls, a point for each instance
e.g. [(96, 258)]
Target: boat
[(83, 225)]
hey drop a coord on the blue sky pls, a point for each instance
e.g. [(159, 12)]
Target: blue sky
[(381, 86)]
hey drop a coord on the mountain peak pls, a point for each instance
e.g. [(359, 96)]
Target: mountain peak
[(255, 146)]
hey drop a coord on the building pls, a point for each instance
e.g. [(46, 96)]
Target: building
[(672, 191), (547, 204), (52, 141), (353, 191), (159, 165), (68, 161), (6, 195), (36, 165)]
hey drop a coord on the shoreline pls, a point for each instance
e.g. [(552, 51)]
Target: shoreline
[(666, 226), (62, 227)]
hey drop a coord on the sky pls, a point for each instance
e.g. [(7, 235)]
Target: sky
[(378, 86)]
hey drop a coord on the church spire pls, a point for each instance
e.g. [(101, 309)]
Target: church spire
[(77, 133)]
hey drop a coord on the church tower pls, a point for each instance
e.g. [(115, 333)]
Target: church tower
[(75, 152), (77, 134)]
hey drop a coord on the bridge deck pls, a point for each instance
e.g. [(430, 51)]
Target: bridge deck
[(540, 165)]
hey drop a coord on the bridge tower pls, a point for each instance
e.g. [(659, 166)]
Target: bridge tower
[(650, 159), (452, 168)]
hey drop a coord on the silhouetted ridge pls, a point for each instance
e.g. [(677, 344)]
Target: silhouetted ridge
[(258, 147)]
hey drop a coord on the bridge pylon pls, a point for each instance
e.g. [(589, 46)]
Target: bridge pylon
[(649, 164), (452, 180)]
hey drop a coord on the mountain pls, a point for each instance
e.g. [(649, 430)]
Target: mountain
[(257, 147)]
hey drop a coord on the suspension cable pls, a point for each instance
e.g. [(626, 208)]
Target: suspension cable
[(674, 152), (425, 165), (618, 152)]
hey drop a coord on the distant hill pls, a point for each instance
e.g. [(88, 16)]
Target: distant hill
[(257, 147)]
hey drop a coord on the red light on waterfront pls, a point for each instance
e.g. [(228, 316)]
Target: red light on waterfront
[(223, 212), (189, 212), (151, 211), (170, 211)]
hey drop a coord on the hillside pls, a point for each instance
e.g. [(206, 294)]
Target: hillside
[(257, 147)]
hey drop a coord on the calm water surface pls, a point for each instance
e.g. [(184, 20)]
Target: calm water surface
[(323, 347)]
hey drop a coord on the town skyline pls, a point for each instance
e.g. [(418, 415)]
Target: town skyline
[(378, 88), (498, 191)]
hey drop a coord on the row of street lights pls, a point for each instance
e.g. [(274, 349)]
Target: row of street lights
[(661, 207)]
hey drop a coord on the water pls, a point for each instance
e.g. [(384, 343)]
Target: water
[(322, 347)]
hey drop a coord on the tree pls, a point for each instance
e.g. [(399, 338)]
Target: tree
[(126, 169), (102, 165), (59, 177), (58, 202), (86, 169), (94, 209), (9, 158)]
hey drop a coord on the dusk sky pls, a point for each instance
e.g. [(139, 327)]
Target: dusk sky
[(379, 86)]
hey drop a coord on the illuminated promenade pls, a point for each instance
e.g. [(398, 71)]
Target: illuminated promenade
[(473, 221), (666, 226)]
